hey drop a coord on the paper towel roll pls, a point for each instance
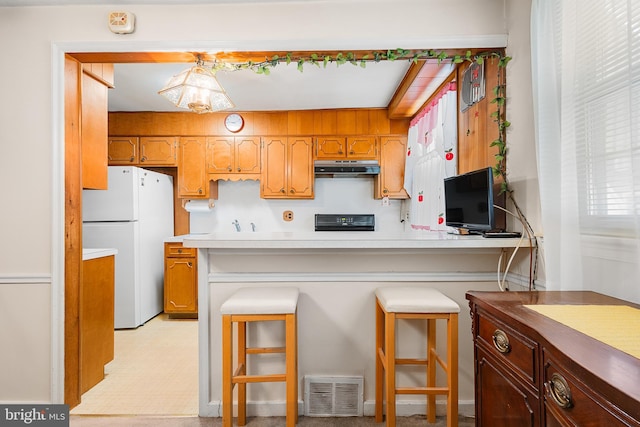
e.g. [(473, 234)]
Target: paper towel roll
[(196, 206)]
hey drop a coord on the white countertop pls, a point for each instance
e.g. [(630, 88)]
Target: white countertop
[(345, 240), (182, 237), (93, 253)]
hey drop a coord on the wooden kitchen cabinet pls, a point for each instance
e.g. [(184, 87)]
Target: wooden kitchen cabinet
[(390, 181), (180, 279), (346, 148), (287, 168), (143, 151), (193, 181), (233, 158), (533, 371), (94, 124), (96, 319)]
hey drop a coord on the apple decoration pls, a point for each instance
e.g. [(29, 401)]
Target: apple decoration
[(420, 197), (409, 151), (449, 155), (440, 219)]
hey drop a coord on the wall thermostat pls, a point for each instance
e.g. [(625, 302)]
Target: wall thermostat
[(122, 22)]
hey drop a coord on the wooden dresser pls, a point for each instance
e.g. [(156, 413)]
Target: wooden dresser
[(531, 370)]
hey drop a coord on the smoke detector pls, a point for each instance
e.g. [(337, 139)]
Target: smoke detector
[(122, 22)]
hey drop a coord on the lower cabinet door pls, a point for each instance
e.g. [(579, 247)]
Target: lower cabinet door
[(180, 286), (501, 400)]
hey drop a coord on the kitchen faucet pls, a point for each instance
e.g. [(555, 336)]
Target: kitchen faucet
[(237, 224)]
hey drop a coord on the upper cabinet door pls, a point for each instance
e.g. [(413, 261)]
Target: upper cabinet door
[(158, 150), (94, 130), (301, 177), (247, 154), (273, 181), (220, 153), (192, 176), (390, 181), (331, 147), (362, 147), (123, 150)]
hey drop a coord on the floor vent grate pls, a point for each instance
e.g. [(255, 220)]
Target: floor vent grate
[(333, 396)]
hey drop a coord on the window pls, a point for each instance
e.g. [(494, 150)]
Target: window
[(601, 107)]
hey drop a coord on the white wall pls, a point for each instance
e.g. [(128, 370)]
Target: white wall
[(241, 201), (32, 40)]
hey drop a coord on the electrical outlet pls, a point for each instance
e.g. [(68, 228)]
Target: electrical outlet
[(287, 215)]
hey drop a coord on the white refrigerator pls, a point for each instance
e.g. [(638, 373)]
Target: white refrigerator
[(135, 216)]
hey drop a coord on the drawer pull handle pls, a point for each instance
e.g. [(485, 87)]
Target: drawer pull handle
[(559, 390), (501, 341)]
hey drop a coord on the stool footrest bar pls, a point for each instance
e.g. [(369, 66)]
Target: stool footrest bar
[(412, 362), (423, 390), (259, 378), (264, 350)]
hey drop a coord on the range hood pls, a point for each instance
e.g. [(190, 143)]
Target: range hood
[(346, 168)]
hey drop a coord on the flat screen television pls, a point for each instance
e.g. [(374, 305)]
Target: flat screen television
[(469, 201)]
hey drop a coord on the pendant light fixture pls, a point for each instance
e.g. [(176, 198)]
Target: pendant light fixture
[(196, 89)]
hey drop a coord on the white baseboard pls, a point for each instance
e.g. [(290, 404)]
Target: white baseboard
[(278, 409)]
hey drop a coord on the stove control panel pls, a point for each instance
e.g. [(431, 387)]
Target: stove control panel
[(342, 222)]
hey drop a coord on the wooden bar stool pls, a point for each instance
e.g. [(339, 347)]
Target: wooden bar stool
[(394, 303), (259, 304)]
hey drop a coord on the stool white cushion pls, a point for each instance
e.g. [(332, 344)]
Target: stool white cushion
[(262, 300), (398, 299)]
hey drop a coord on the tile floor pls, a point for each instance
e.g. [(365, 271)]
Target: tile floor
[(153, 382), (154, 372)]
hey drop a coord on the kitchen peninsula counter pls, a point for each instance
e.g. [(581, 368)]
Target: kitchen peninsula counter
[(346, 240), (337, 274)]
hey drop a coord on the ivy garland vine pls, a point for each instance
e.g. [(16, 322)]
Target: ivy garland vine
[(499, 98), (340, 58)]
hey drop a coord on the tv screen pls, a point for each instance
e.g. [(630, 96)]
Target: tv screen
[(469, 201)]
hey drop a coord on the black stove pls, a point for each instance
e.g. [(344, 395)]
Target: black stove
[(349, 222)]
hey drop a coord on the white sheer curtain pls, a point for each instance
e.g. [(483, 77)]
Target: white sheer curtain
[(586, 77), (431, 156)]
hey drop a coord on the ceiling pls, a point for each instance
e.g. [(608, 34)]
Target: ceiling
[(285, 88)]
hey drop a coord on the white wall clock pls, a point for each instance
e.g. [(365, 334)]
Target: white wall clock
[(234, 122)]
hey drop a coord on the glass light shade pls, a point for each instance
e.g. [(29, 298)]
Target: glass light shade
[(198, 90)]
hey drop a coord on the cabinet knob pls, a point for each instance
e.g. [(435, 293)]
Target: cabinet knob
[(189, 265), (385, 191), (340, 152), (179, 251), (352, 152), (131, 159), (199, 190), (501, 341), (282, 190), (229, 168), (292, 191), (239, 169), (558, 389), (143, 159)]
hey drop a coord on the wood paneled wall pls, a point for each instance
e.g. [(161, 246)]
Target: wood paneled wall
[(292, 123), (476, 128)]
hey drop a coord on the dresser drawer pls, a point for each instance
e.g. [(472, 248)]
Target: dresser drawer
[(509, 347), (568, 401), (172, 250)]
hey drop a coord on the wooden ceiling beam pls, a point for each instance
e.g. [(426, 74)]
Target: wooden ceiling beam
[(232, 57), (402, 89)]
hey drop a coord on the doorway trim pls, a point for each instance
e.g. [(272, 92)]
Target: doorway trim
[(59, 49)]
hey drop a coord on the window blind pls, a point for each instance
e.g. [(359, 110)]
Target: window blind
[(603, 111)]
